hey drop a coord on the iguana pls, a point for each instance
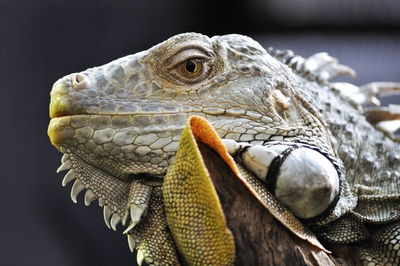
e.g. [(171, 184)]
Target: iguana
[(316, 146)]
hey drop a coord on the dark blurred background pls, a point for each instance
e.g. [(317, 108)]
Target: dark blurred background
[(41, 41)]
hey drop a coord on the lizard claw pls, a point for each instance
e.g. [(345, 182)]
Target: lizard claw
[(136, 214), (139, 197), (131, 243), (140, 257)]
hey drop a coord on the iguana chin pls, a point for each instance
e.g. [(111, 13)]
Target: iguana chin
[(119, 126)]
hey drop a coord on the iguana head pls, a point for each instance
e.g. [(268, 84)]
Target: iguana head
[(126, 117), (120, 123)]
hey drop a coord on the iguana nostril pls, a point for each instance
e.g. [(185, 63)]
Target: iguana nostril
[(79, 81), (79, 78)]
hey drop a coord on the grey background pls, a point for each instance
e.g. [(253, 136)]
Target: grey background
[(41, 41)]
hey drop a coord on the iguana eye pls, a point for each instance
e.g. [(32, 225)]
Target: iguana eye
[(191, 68), (190, 65)]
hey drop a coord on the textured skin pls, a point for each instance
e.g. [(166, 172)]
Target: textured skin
[(122, 121), (193, 211), (204, 133), (153, 241)]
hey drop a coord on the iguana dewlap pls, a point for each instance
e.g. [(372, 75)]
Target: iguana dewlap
[(119, 126)]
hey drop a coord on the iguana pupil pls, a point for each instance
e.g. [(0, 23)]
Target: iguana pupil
[(190, 66)]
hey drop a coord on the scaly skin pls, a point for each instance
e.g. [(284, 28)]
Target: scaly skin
[(131, 111), (186, 183), (122, 122)]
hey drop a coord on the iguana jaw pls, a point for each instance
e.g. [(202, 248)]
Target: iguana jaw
[(114, 143)]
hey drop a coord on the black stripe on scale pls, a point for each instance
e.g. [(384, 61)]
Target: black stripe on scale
[(275, 167), (274, 170), (325, 214), (238, 154)]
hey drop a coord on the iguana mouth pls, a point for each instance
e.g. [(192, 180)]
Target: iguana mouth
[(60, 102)]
